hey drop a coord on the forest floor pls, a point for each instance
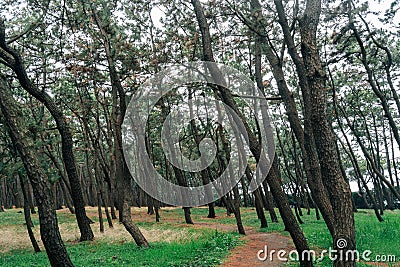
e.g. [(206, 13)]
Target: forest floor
[(243, 255), (209, 242), (246, 255)]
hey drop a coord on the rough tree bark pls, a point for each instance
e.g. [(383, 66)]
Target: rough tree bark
[(273, 177), (303, 136), (27, 215), (336, 185), (119, 108), (14, 61), (312, 80), (49, 231)]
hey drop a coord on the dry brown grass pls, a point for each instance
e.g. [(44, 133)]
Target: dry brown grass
[(15, 237)]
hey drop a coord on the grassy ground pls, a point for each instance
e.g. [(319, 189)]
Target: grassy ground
[(207, 251), (175, 244), (171, 243), (380, 238)]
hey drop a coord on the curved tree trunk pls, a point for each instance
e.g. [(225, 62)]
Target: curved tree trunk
[(49, 231), (318, 131), (27, 215), (122, 174), (14, 61), (273, 177), (303, 136)]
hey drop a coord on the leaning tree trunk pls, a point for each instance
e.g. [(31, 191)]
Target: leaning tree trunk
[(355, 165), (258, 201), (118, 112), (49, 231), (319, 135), (180, 178), (233, 204), (303, 136), (124, 179), (14, 61), (205, 174), (27, 215), (268, 202), (336, 185), (273, 177)]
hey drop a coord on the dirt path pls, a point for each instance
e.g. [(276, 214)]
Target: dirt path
[(246, 254), (241, 256)]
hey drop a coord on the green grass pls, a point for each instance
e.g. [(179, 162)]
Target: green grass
[(381, 238), (209, 247), (16, 217), (209, 250)]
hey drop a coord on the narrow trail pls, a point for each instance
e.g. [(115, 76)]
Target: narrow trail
[(241, 256), (246, 254)]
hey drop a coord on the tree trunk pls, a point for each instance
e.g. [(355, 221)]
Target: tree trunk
[(118, 112), (258, 202), (273, 178), (318, 131), (49, 231), (62, 126), (304, 136), (205, 174), (269, 203), (338, 189), (27, 215)]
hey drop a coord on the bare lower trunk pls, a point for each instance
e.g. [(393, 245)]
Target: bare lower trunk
[(269, 203), (273, 178), (18, 67), (258, 202), (27, 215), (49, 231), (124, 180), (188, 218)]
